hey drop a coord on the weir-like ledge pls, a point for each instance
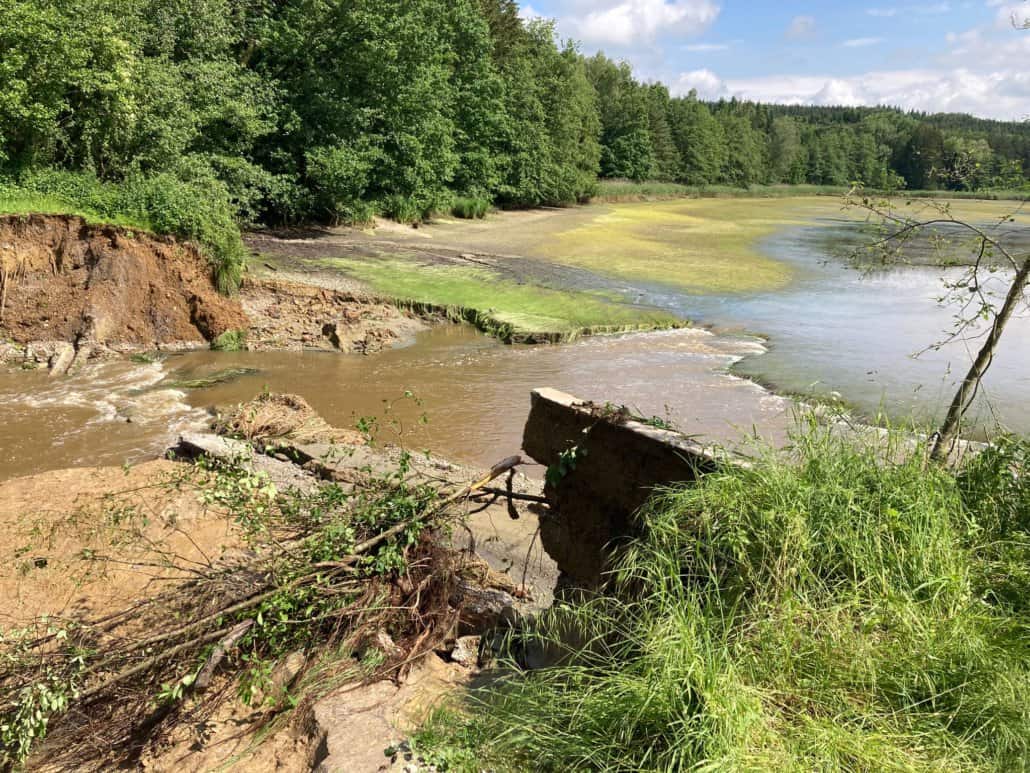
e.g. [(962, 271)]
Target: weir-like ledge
[(603, 466)]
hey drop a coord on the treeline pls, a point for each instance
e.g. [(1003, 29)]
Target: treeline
[(646, 134), (335, 110)]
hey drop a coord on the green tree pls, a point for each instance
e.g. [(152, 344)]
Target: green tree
[(665, 157), (921, 161), (624, 110), (743, 163), (700, 141)]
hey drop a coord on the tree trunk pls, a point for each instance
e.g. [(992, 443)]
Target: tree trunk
[(948, 433)]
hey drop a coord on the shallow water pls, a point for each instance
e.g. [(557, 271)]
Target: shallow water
[(473, 390), (834, 329)]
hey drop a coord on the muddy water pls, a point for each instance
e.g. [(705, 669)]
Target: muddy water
[(108, 413), (474, 392), (832, 330)]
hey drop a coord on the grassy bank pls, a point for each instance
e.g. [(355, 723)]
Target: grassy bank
[(502, 307), (614, 191), (198, 211), (832, 612)]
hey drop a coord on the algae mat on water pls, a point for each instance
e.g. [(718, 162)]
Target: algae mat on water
[(699, 245)]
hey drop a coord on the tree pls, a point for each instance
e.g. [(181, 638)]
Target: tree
[(972, 291), (922, 159), (786, 153), (700, 141), (743, 161), (665, 158), (624, 111)]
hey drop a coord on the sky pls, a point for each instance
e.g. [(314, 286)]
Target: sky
[(957, 56)]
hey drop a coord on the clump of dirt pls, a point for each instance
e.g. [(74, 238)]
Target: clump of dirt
[(275, 417), (291, 315), (100, 286)]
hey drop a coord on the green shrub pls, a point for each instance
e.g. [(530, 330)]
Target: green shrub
[(825, 612), (470, 207)]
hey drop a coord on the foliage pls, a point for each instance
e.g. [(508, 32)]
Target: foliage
[(218, 114), (470, 208), (327, 571), (829, 610), (230, 341)]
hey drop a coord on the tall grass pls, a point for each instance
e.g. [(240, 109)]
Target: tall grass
[(470, 207), (827, 612)]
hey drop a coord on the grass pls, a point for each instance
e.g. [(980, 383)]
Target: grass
[(827, 611), (230, 341), (17, 202), (626, 190), (525, 309), (470, 208)]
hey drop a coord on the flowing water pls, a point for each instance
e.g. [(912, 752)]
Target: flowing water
[(834, 329), (473, 391)]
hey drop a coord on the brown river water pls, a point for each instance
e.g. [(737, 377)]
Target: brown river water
[(473, 390)]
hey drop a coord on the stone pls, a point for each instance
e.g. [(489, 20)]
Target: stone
[(466, 651)]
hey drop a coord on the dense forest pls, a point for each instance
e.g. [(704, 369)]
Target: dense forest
[(335, 110)]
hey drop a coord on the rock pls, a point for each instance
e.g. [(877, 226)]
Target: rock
[(483, 608), (361, 729), (466, 651), (62, 359)]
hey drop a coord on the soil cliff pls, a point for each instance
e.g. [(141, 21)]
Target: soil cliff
[(100, 286)]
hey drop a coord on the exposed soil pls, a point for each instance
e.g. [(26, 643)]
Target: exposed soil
[(90, 542), (87, 541), (106, 287), (294, 316)]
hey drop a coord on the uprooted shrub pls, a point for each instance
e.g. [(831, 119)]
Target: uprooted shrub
[(358, 582)]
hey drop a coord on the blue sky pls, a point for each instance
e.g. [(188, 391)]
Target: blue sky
[(929, 55)]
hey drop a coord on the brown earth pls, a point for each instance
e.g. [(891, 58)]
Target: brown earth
[(91, 542), (83, 542), (293, 316), (102, 286)]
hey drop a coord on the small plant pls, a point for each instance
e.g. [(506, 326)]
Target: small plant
[(230, 341), (567, 461)]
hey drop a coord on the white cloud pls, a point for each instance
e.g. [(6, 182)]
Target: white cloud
[(625, 22), (980, 71), (702, 47), (862, 42), (800, 27), (999, 94), (707, 84)]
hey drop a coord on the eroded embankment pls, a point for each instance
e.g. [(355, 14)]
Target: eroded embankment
[(99, 287)]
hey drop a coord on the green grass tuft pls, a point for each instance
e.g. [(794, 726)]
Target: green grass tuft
[(230, 341), (831, 611), (470, 208)]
